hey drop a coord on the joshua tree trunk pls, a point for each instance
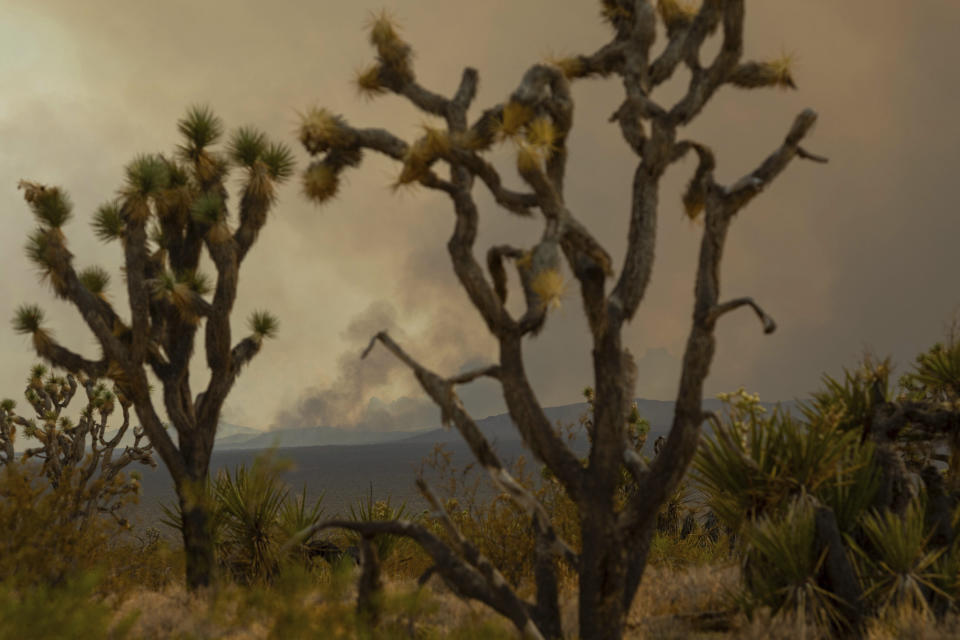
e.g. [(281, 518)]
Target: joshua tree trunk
[(197, 541), (603, 574)]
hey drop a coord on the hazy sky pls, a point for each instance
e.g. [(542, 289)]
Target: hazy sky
[(858, 253)]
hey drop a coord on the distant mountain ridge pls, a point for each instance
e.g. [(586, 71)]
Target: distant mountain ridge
[(305, 437), (498, 428)]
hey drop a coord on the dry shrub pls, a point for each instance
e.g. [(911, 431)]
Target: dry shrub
[(491, 521), (44, 542), (69, 611)]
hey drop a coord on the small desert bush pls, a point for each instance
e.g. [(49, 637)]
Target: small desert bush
[(44, 541), (60, 573)]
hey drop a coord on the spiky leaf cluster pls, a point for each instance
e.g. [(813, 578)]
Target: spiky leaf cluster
[(147, 176), (676, 14), (201, 128), (50, 205), (208, 209), (432, 145), (28, 319), (263, 324), (108, 222), (393, 54), (95, 279)]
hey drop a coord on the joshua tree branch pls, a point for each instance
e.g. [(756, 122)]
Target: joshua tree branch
[(685, 43), (482, 583), (705, 82), (769, 326), (135, 250), (442, 393), (744, 190), (491, 371), (667, 469), (258, 195)]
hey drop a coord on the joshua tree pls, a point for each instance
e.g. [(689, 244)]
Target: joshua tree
[(80, 453), (537, 117), (168, 211)]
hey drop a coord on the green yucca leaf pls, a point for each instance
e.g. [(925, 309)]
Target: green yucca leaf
[(147, 175), (201, 127), (783, 563), (263, 324), (295, 515), (851, 491), (754, 463), (28, 318), (178, 175), (247, 145), (108, 222), (899, 565), (207, 209), (279, 160), (95, 279), (38, 247), (939, 368), (164, 284), (51, 206), (198, 282), (249, 502), (367, 509), (37, 372), (8, 404)]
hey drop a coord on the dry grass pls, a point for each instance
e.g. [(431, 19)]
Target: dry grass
[(299, 607)]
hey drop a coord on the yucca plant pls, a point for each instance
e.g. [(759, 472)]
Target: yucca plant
[(852, 400), (754, 463), (896, 561), (249, 505), (369, 509), (947, 571), (297, 514), (852, 490), (768, 475), (254, 515), (936, 373), (783, 563)]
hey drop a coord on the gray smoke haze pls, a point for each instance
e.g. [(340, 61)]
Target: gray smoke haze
[(353, 398), (859, 252)]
